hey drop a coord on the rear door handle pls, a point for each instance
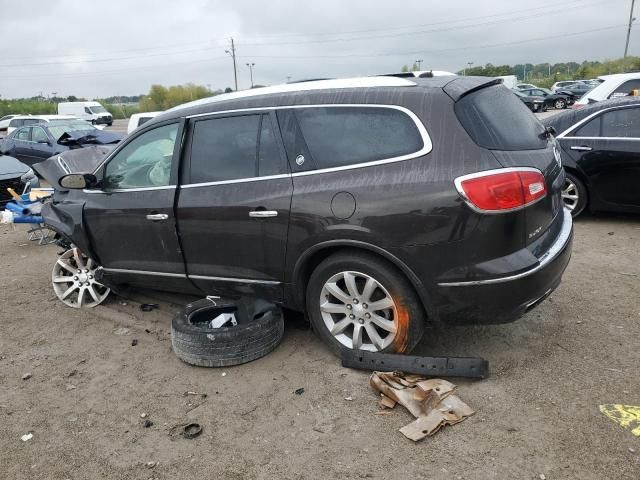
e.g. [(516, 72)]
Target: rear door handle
[(155, 217), (581, 148), (263, 213)]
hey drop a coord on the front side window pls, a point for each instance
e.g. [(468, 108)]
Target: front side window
[(341, 136), (233, 148), (23, 134), (626, 88), (144, 162), (624, 123)]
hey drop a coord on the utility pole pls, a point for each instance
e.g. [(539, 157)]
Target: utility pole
[(288, 78), (251, 65), (419, 62), (232, 52), (464, 73), (626, 45)]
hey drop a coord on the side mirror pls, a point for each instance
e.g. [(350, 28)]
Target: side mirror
[(77, 181)]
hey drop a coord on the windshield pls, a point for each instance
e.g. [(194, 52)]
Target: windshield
[(98, 109), (59, 127), (546, 90)]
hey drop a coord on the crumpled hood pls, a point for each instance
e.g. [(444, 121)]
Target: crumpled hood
[(85, 137), (81, 160)]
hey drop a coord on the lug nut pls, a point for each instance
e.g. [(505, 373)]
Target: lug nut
[(86, 270), (352, 316), (349, 307), (364, 305), (90, 276), (366, 315), (355, 300), (87, 284), (78, 271), (361, 320), (75, 278)]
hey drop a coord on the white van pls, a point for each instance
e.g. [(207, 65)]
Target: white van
[(90, 111), (138, 119)]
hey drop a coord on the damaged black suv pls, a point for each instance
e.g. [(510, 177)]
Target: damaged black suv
[(374, 204)]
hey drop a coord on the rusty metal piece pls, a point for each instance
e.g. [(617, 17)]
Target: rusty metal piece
[(432, 401)]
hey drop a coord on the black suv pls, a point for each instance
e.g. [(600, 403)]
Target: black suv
[(375, 204)]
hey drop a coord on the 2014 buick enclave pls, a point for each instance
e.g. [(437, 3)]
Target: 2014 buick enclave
[(375, 204)]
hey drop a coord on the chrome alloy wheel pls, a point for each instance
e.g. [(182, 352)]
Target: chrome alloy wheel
[(358, 311), (74, 280), (570, 195)]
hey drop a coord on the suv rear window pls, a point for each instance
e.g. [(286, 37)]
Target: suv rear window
[(496, 119), (339, 136)]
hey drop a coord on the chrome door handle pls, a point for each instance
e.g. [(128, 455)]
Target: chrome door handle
[(157, 216), (581, 148), (263, 213)]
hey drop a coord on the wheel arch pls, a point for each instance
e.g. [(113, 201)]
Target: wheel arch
[(312, 257)]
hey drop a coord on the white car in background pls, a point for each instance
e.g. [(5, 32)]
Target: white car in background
[(138, 119), (4, 123), (613, 86), (21, 120)]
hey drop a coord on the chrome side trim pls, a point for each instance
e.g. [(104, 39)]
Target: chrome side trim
[(122, 190), (144, 272), (238, 180), (603, 138), (543, 261), (458, 183), (238, 280)]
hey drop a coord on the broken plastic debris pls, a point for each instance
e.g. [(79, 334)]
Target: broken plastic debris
[(191, 431), (223, 319), (26, 437), (627, 416), (432, 401), (26, 376), (224, 374)]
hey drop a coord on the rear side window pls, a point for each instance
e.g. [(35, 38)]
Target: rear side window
[(626, 88), (340, 136), (497, 120), (590, 129), (232, 148), (621, 123)]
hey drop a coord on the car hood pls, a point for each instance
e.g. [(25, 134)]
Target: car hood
[(88, 137), (83, 160), (11, 167)]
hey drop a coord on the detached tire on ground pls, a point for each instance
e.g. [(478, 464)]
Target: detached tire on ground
[(259, 331)]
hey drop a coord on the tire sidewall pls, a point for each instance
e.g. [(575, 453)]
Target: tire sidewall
[(410, 315), (582, 194)]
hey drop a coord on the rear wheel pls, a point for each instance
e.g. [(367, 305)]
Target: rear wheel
[(574, 194), (560, 104), (358, 301)]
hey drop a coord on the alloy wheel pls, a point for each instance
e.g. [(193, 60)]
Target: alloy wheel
[(358, 311), (559, 104), (570, 195), (74, 280)]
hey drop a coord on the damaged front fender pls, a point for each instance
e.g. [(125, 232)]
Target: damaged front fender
[(66, 219)]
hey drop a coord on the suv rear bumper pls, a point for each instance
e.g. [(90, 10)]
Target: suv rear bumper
[(506, 298)]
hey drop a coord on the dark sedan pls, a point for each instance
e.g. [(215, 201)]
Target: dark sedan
[(551, 100), (35, 143), (16, 175), (576, 90), (600, 150), (535, 104)]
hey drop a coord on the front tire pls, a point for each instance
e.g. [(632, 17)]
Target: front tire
[(560, 104), (574, 194), (356, 300)]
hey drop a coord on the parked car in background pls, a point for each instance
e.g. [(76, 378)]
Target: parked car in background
[(576, 90), (612, 86), (561, 85), (535, 104), (16, 175), (525, 86), (601, 154), (34, 143), (21, 120), (558, 101), (4, 123), (139, 119), (92, 112), (374, 204)]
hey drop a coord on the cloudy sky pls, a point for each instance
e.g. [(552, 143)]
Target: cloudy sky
[(121, 47)]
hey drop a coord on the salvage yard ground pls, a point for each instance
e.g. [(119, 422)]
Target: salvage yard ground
[(536, 415)]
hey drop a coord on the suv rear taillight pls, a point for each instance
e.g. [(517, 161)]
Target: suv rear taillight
[(502, 190)]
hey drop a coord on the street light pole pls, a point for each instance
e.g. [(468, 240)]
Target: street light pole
[(626, 45), (419, 62), (465, 68), (251, 65), (232, 52)]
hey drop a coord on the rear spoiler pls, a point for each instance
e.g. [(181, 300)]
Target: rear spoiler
[(461, 86)]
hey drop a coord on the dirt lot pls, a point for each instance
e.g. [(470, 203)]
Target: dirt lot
[(537, 413)]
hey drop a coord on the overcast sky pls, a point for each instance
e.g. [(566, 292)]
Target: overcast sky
[(122, 47)]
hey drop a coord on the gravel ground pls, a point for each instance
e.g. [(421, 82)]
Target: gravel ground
[(536, 415)]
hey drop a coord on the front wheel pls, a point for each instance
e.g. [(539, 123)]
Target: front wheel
[(574, 195), (358, 301), (560, 104)]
